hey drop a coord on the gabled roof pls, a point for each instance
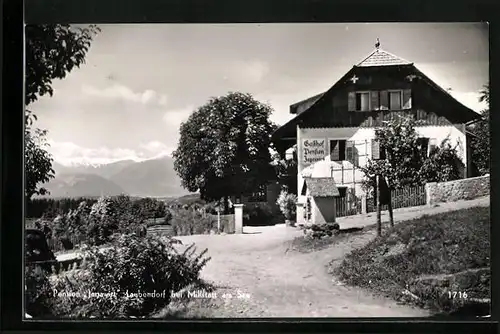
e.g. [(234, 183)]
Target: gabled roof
[(300, 106), (321, 187), (379, 57)]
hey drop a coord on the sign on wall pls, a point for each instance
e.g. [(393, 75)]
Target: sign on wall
[(313, 150)]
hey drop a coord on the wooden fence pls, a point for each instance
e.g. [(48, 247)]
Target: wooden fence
[(402, 198), (347, 206)]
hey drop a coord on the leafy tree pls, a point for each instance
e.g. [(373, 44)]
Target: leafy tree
[(480, 141), (406, 163), (38, 162), (52, 51), (404, 159), (442, 165), (485, 94), (224, 147), (286, 171)]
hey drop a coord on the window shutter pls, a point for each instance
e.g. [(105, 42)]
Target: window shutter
[(374, 100), (351, 101), (384, 100), (342, 146), (349, 151), (407, 99), (334, 150), (375, 149)]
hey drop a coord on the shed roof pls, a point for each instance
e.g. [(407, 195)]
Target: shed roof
[(320, 187)]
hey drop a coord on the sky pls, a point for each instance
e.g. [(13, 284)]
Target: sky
[(140, 82)]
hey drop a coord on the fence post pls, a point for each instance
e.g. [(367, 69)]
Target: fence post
[(218, 220), (300, 213), (238, 218), (428, 201)]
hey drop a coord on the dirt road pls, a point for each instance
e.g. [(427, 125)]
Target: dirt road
[(273, 281)]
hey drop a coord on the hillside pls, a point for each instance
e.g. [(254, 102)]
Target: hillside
[(149, 178), (427, 258), (82, 185)]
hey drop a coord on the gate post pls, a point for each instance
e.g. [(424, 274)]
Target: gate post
[(363, 204), (238, 218)]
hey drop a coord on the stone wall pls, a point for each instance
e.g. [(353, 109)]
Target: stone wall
[(464, 189)]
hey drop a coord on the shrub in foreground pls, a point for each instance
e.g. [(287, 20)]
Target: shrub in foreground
[(133, 265)]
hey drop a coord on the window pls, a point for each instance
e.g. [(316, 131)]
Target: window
[(377, 152), (423, 146), (337, 150), (362, 101), (432, 145), (379, 100), (359, 101), (395, 99)]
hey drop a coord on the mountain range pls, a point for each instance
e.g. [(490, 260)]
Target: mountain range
[(149, 178)]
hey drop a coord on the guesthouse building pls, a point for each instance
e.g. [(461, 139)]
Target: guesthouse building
[(333, 132)]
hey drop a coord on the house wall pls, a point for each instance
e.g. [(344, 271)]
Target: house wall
[(324, 210), (313, 144)]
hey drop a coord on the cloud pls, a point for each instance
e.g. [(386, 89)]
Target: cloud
[(156, 149), (69, 153), (253, 71), (174, 117), (122, 92)]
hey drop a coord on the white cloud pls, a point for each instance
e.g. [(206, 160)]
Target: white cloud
[(156, 149), (69, 153), (174, 117), (122, 92), (253, 71)]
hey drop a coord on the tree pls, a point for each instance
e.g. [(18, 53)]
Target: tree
[(480, 136), (286, 171), (38, 162), (224, 147), (399, 141), (52, 51), (485, 94), (406, 162)]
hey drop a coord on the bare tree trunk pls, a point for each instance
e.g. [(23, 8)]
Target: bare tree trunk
[(379, 206)]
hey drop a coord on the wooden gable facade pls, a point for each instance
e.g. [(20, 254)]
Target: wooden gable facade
[(420, 98)]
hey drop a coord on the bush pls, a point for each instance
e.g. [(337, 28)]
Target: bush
[(287, 204), (261, 215), (128, 268), (442, 165), (38, 292), (189, 221)]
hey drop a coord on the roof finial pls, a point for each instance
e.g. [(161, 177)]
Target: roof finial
[(377, 45)]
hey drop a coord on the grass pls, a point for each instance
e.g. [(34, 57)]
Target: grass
[(305, 244), (446, 243)]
